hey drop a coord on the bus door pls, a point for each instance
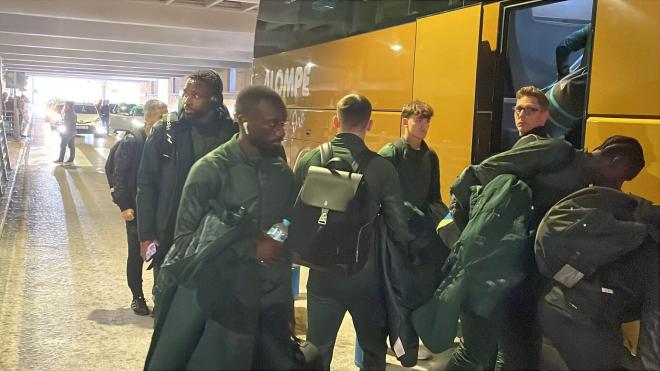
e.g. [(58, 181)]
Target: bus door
[(446, 49), (530, 34)]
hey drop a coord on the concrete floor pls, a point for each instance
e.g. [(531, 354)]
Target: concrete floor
[(64, 299)]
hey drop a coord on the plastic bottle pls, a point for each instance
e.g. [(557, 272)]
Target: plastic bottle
[(279, 231)]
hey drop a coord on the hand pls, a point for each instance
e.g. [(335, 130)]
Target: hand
[(128, 215), (268, 249), (144, 245), (458, 213)]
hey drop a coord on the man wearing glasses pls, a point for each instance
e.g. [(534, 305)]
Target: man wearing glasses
[(531, 112)]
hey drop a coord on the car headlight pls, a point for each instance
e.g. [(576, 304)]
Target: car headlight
[(137, 123), (61, 129)]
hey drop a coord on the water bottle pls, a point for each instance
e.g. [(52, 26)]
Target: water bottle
[(279, 231)]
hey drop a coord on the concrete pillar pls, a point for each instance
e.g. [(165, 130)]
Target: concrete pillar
[(163, 90)]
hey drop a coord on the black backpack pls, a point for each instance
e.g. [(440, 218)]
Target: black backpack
[(110, 162), (331, 228)]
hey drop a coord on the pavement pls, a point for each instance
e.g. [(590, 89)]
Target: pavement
[(64, 301)]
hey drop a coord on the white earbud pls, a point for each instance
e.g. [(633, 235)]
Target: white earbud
[(245, 128)]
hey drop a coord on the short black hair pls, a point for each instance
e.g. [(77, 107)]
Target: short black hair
[(212, 80), (625, 147), (354, 111), (250, 97)]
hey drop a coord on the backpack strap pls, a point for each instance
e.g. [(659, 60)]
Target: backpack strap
[(328, 157), (326, 153)]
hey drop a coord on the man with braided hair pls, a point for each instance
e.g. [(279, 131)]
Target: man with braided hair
[(202, 124), (552, 169)]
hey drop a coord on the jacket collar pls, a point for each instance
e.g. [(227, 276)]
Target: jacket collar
[(349, 140), (538, 131), (422, 148)]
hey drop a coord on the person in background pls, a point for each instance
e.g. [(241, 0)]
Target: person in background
[(574, 42), (104, 114), (531, 112), (68, 134), (174, 144), (126, 163)]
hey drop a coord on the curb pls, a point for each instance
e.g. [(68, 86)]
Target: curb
[(11, 183)]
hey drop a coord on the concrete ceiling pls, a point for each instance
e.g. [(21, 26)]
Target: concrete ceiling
[(131, 39)]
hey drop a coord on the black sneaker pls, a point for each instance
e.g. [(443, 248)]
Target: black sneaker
[(140, 307)]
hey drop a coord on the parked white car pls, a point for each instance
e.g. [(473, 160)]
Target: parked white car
[(88, 121)]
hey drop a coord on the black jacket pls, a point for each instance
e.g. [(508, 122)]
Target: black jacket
[(162, 173), (600, 248), (126, 163)]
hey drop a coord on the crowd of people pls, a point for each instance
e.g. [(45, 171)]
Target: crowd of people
[(550, 252)]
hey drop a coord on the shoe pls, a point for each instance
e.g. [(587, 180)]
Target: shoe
[(58, 162), (68, 163), (140, 307), (424, 353)]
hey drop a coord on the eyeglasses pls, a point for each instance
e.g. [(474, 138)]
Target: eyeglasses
[(527, 110)]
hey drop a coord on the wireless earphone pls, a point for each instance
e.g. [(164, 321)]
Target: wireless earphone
[(245, 128)]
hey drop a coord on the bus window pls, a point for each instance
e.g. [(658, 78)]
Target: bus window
[(284, 25), (532, 35)]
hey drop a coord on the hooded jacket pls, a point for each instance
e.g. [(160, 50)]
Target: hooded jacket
[(167, 157), (600, 248)]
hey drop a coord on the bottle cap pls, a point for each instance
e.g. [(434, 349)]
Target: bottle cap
[(286, 222)]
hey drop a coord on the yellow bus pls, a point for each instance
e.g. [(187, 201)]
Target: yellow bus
[(466, 58)]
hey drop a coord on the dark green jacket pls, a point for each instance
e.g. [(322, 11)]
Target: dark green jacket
[(162, 174), (551, 167), (487, 261), (572, 43), (419, 174), (216, 262), (599, 246)]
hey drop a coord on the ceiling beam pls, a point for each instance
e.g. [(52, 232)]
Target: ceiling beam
[(145, 13), (129, 34), (9, 51), (116, 71), (239, 57), (52, 63), (211, 3), (250, 8), (98, 74)]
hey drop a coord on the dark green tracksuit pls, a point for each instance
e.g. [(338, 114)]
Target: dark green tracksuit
[(237, 315), (419, 174), (329, 295), (553, 169), (163, 171)]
